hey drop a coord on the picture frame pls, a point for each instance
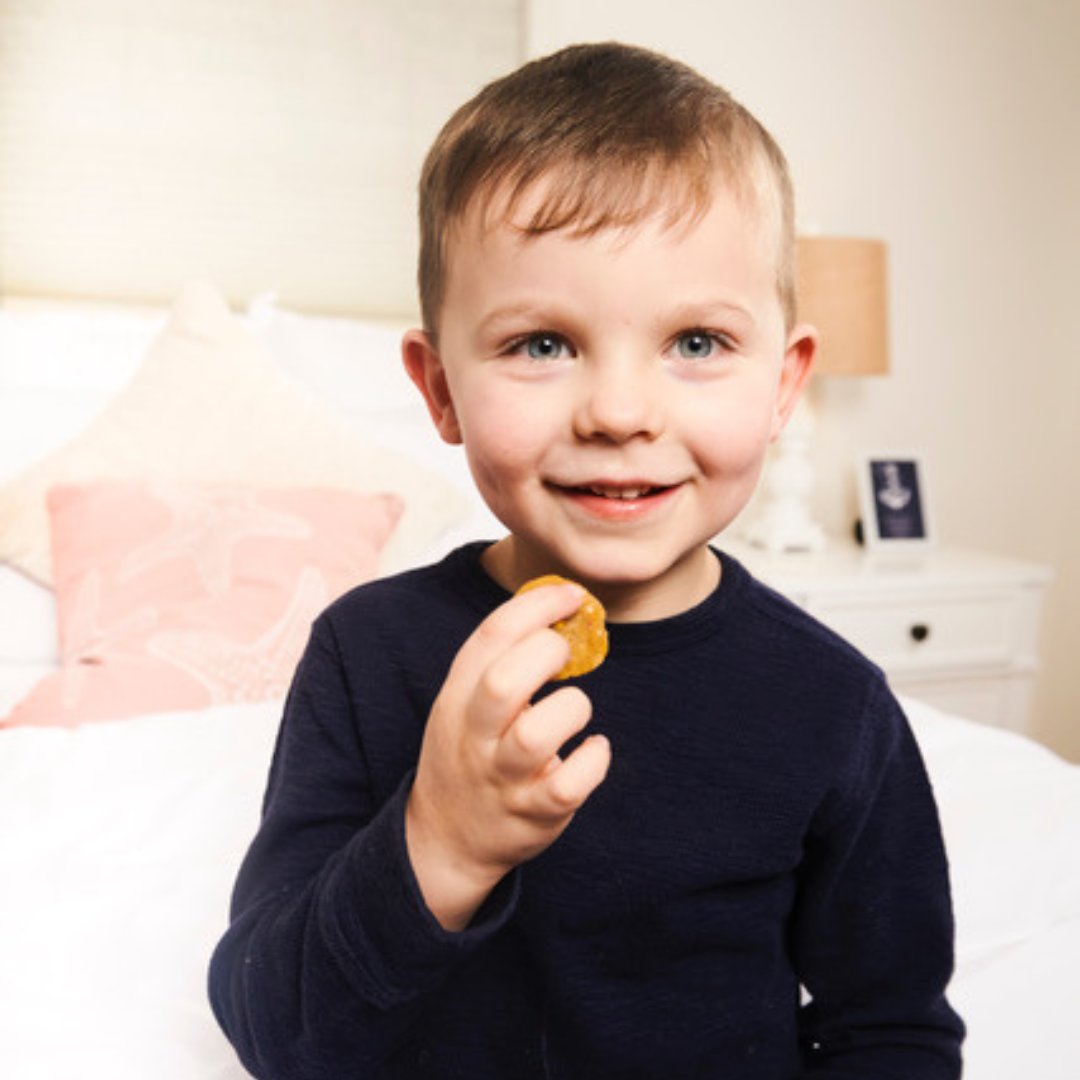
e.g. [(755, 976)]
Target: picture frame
[(893, 501)]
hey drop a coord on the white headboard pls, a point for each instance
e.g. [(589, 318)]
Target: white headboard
[(264, 144)]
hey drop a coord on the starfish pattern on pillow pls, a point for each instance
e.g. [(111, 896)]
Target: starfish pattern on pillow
[(208, 524), (235, 671)]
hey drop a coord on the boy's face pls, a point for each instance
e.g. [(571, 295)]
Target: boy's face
[(616, 394)]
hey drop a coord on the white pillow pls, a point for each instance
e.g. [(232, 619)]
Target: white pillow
[(352, 364), (95, 347), (28, 631), (59, 367)]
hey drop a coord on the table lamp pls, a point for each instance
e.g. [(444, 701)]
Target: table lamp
[(842, 290)]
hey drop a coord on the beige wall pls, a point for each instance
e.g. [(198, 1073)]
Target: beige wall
[(949, 130), (266, 146)]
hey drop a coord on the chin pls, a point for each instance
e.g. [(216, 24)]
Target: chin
[(626, 569)]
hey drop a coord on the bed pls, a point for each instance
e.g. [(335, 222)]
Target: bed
[(279, 457)]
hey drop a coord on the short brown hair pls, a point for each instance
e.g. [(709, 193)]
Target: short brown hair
[(615, 131)]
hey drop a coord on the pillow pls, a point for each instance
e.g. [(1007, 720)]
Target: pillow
[(345, 363), (59, 367), (175, 596), (208, 405), (27, 620), (355, 363)]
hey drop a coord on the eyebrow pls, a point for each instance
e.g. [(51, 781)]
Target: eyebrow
[(691, 310), (526, 311), (695, 313)]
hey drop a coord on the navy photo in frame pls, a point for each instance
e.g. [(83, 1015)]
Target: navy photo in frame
[(895, 511)]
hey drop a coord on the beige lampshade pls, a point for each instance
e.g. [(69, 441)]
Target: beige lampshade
[(842, 290)]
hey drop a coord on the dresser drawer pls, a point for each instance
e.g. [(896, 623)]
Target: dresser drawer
[(927, 632)]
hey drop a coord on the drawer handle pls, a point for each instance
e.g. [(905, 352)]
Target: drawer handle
[(920, 632)]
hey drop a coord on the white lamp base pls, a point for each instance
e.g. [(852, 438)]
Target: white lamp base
[(784, 522)]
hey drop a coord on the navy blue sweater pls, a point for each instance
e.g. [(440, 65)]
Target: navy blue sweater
[(757, 891)]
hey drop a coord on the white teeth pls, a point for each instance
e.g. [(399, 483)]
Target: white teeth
[(620, 493)]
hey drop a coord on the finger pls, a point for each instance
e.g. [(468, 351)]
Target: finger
[(515, 620), (509, 657), (564, 788), (510, 683), (531, 743)]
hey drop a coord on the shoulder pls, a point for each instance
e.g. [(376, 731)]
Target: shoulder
[(380, 653), (790, 635), (393, 628), (818, 678), (452, 586)]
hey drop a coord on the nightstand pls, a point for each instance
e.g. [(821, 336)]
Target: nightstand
[(958, 629)]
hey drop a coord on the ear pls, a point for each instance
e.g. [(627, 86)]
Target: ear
[(795, 374), (425, 368)]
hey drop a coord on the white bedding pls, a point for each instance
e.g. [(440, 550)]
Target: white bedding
[(119, 841), (118, 847)]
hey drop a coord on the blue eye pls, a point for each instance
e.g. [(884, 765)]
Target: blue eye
[(544, 347), (695, 345), (701, 345)]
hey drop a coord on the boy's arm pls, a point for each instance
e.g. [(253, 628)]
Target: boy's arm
[(873, 929), (331, 949), (338, 941)]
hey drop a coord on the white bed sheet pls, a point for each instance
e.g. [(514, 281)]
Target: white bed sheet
[(120, 841), (1010, 812), (118, 847)]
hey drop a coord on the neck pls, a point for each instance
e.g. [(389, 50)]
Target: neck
[(683, 586)]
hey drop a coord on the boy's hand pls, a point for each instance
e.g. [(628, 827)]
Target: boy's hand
[(491, 790)]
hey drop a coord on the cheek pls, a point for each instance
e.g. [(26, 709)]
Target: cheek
[(503, 438), (733, 437)]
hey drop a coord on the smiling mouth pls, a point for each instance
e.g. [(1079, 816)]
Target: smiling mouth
[(636, 492), (636, 501), (623, 494)]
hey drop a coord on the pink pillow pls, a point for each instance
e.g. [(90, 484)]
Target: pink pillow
[(177, 596)]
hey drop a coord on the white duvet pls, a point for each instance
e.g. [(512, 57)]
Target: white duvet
[(119, 843), (118, 846)]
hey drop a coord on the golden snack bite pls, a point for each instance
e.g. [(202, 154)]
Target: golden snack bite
[(585, 630)]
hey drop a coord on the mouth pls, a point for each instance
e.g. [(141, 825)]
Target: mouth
[(629, 493), (636, 500)]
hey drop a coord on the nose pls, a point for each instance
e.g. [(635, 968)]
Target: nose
[(620, 399)]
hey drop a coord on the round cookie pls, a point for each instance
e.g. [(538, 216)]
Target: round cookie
[(585, 630)]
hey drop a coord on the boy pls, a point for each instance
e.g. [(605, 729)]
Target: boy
[(463, 872)]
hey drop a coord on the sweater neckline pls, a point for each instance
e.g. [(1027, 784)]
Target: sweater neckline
[(484, 594)]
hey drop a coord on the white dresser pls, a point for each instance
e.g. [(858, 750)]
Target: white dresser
[(958, 629)]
